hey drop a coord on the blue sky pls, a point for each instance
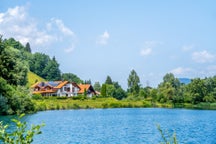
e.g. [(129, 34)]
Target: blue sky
[(93, 39)]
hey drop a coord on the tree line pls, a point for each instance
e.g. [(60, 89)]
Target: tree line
[(170, 90)]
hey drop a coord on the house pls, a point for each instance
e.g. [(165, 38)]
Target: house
[(56, 88), (86, 88)]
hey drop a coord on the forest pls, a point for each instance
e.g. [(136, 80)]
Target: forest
[(16, 60)]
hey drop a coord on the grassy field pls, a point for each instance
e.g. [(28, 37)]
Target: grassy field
[(54, 103), (33, 78)]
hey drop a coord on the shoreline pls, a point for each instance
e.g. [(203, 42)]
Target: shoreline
[(104, 103)]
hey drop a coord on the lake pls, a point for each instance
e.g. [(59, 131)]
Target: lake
[(123, 126)]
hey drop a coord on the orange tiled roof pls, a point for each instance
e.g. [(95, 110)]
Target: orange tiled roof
[(61, 84), (34, 85), (54, 88), (83, 87)]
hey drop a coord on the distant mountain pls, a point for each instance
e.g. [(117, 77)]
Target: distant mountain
[(184, 80)]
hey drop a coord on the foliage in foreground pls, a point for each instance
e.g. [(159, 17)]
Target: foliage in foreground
[(20, 135), (166, 137)]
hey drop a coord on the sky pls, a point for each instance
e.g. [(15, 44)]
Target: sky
[(97, 38)]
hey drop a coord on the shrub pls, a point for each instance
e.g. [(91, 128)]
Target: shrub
[(80, 97), (20, 135), (37, 97), (58, 107), (115, 105), (62, 97), (166, 137), (105, 105), (76, 106), (147, 104), (41, 107)]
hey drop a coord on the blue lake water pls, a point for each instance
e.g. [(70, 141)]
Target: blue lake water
[(123, 126)]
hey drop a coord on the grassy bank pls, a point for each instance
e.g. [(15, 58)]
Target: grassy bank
[(54, 103)]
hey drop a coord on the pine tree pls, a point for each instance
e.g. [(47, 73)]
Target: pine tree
[(108, 80), (27, 47)]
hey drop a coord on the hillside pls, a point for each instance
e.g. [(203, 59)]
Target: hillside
[(32, 78)]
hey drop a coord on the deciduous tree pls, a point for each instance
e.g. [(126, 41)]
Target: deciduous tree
[(133, 83)]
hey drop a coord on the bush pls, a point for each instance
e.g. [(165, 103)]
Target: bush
[(105, 105), (76, 106), (147, 104), (20, 135), (62, 97), (37, 97), (58, 107), (115, 105), (166, 137), (80, 97), (41, 107)]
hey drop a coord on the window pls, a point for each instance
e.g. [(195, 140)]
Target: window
[(68, 89)]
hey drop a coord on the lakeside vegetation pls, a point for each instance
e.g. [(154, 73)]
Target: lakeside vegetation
[(54, 103), (19, 68)]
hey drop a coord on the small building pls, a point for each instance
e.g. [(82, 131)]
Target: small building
[(86, 89), (56, 88)]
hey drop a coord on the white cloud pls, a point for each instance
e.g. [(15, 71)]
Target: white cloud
[(65, 30), (186, 48), (69, 49), (145, 52), (181, 71), (103, 39), (16, 23), (148, 47), (202, 57)]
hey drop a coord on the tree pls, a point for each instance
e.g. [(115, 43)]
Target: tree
[(14, 99), (153, 94), (52, 71), (170, 89), (38, 63), (103, 90), (71, 77), (27, 47), (87, 81), (15, 44), (197, 90), (12, 67), (110, 90), (116, 85), (166, 92), (143, 93), (133, 83), (97, 86), (170, 78), (108, 80), (119, 94)]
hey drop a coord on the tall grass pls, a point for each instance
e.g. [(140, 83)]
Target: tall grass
[(52, 103)]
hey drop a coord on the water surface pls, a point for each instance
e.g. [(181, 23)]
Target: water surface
[(124, 126)]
